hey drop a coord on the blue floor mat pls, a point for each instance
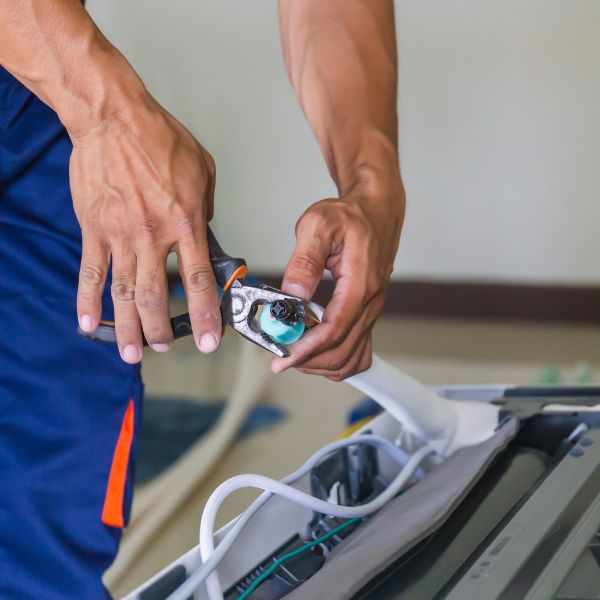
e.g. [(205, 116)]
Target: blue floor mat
[(365, 408), (172, 425)]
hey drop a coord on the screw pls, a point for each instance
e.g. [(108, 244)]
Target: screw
[(281, 310)]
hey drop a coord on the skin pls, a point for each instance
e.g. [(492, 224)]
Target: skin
[(341, 59), (143, 187)]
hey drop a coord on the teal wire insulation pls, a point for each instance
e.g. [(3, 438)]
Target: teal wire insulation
[(281, 332), (289, 555)]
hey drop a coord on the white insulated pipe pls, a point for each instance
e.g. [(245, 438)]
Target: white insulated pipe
[(446, 425)]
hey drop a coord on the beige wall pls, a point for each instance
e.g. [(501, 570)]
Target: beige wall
[(500, 128)]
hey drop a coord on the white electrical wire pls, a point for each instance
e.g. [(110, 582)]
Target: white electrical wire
[(211, 563), (420, 411), (276, 487)]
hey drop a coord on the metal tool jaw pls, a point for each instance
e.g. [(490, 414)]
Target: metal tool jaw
[(239, 307)]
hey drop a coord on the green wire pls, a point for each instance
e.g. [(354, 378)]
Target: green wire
[(289, 555)]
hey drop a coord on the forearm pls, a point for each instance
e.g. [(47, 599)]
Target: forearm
[(54, 49), (341, 58)]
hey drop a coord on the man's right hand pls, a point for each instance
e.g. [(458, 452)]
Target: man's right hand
[(143, 187)]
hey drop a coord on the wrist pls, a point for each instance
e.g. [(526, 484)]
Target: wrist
[(372, 170), (375, 185), (103, 94)]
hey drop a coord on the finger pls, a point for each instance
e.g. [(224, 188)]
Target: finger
[(367, 358), (349, 301), (92, 279), (152, 298), (127, 320), (307, 263), (201, 292), (336, 358), (361, 361), (340, 317), (358, 362), (344, 370)]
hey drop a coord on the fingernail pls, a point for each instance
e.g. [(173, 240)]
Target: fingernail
[(161, 347), (295, 289), (86, 323), (132, 354), (278, 366), (208, 343)]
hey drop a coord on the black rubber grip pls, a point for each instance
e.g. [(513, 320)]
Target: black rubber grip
[(224, 266), (106, 333), (181, 326)]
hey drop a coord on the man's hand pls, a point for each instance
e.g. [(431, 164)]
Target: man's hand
[(356, 238), (341, 59), (142, 186), (141, 189)]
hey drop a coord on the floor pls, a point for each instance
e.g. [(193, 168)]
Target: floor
[(434, 351)]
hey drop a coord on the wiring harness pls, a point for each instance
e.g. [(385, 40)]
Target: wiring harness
[(211, 556)]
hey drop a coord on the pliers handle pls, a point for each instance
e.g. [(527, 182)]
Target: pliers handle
[(227, 269)]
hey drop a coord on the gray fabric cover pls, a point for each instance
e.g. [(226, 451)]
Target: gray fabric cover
[(403, 522)]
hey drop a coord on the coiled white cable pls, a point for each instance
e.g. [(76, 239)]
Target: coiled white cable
[(239, 482), (209, 565), (445, 425)]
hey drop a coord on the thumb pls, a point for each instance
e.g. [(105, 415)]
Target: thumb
[(306, 265)]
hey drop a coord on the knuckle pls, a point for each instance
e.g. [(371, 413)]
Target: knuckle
[(122, 291), (340, 363), (158, 336), (183, 215), (150, 298), (127, 332), (127, 329), (352, 368), (375, 287), (337, 376), (199, 278), (306, 265), (208, 318), (338, 335), (315, 217), (337, 361), (149, 225), (366, 363), (335, 366), (379, 305), (91, 223), (85, 296), (345, 374), (91, 274), (186, 224)]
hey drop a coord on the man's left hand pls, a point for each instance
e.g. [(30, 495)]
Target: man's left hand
[(356, 238)]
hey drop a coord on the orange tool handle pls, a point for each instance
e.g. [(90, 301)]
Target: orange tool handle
[(226, 268)]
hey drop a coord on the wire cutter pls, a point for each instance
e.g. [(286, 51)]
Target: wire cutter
[(240, 305)]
